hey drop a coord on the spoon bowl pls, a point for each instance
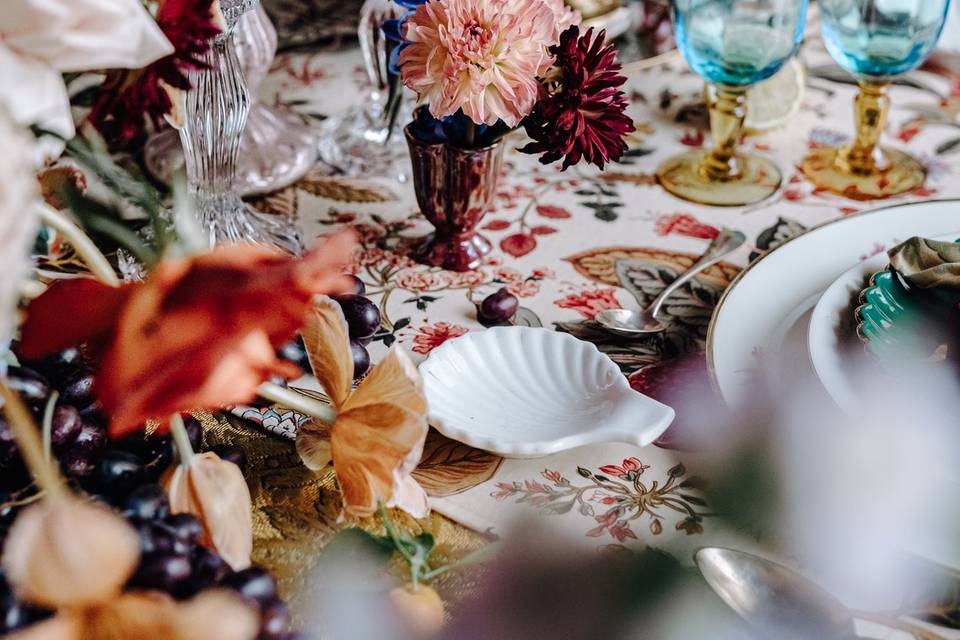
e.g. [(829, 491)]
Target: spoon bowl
[(777, 601), (632, 324)]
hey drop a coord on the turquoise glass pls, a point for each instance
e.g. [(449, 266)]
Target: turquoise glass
[(738, 42), (879, 39)]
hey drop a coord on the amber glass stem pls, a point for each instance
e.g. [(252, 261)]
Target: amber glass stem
[(727, 111), (864, 157)]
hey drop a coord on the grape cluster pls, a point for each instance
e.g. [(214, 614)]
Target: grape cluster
[(363, 321), (122, 473)]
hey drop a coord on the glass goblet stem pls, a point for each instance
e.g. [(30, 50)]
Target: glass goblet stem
[(727, 113), (216, 113), (864, 156)]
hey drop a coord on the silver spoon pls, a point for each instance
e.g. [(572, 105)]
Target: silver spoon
[(630, 323), (781, 603)]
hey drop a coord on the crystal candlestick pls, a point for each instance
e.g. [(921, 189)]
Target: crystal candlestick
[(215, 116), (277, 149)]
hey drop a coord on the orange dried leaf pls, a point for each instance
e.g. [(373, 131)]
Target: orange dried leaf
[(67, 553), (215, 492), (216, 615), (378, 439), (313, 445), (327, 342)]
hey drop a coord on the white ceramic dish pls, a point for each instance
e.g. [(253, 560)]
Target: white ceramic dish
[(522, 392), (829, 354), (765, 309)]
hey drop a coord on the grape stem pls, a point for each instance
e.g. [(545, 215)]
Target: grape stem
[(47, 424), (182, 439), (26, 434), (298, 402)]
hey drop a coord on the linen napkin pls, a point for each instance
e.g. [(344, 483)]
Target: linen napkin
[(928, 264), (41, 39)]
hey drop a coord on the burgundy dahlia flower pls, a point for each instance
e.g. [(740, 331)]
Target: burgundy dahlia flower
[(580, 112), (129, 96)]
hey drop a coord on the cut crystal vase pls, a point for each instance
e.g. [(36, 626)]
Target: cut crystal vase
[(216, 113), (277, 149)]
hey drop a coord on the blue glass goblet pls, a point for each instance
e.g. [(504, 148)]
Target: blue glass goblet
[(874, 40), (733, 44)]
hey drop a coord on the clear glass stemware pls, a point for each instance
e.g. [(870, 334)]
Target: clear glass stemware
[(216, 114), (875, 40), (732, 44), (364, 140)]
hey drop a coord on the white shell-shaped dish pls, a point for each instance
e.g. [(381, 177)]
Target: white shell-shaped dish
[(522, 392)]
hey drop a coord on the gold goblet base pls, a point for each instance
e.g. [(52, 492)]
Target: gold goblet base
[(687, 176), (894, 173)]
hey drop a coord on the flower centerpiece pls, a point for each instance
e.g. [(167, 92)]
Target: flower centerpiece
[(484, 68)]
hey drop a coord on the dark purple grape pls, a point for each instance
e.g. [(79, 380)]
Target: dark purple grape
[(185, 527), (253, 583), (8, 444), (195, 431), (157, 538), (78, 464), (32, 387), (499, 307), (119, 472), (147, 502), (295, 352), (363, 317), (17, 615), (90, 439), (95, 414), (59, 366), (209, 569), (78, 390), (65, 425), (6, 510), (274, 620), (168, 572), (357, 287), (361, 359), (232, 453)]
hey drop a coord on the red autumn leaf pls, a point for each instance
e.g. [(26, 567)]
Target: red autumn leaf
[(496, 225), (518, 244), (542, 230), (550, 211)]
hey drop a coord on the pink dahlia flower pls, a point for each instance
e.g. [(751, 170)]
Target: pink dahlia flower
[(481, 56)]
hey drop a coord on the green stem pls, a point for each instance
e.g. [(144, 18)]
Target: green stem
[(478, 556), (47, 424), (298, 402), (182, 439)]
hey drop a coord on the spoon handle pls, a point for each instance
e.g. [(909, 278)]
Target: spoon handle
[(728, 241)]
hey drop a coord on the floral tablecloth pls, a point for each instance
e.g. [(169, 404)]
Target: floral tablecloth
[(557, 236)]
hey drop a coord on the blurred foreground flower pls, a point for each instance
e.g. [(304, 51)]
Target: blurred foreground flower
[(199, 333), (377, 437), (42, 39), (130, 96)]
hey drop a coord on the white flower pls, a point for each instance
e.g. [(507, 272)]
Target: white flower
[(41, 39), (18, 220)]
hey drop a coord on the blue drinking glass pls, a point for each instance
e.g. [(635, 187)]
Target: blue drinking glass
[(875, 40), (732, 44)]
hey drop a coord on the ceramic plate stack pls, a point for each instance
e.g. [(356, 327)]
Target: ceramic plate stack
[(789, 326)]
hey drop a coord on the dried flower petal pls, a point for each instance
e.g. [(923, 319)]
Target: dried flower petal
[(313, 445), (59, 627), (216, 615), (214, 490), (378, 439), (327, 342), (66, 553)]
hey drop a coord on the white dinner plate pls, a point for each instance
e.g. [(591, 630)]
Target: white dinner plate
[(765, 310), (830, 353)]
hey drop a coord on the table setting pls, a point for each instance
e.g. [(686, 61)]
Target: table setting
[(479, 318)]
